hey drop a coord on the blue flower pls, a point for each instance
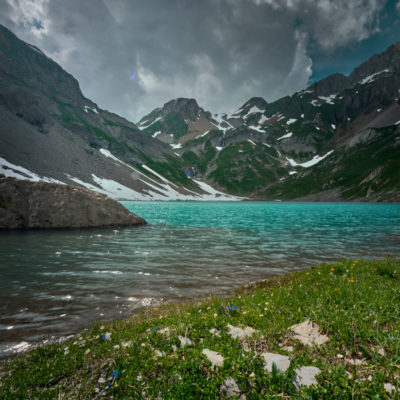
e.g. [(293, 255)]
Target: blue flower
[(154, 330), (109, 384), (101, 336), (280, 309), (115, 374), (233, 308)]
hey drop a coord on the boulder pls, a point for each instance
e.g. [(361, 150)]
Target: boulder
[(38, 205)]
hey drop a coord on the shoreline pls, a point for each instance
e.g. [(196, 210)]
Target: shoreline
[(210, 341)]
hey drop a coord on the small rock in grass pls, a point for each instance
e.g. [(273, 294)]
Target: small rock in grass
[(389, 387), (245, 347), (282, 362), (305, 376), (185, 341), (164, 331), (382, 352), (308, 333), (240, 333), (174, 348), (287, 348), (214, 357), (229, 388), (107, 336), (214, 332), (101, 380), (354, 361), (158, 353)]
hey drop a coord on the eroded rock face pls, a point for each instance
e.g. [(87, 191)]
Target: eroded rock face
[(25, 204)]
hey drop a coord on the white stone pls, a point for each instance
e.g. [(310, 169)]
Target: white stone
[(101, 380), (107, 336), (288, 348), (308, 333), (214, 331), (164, 331), (185, 341), (240, 333), (389, 387), (282, 362), (214, 357), (229, 388), (305, 376), (158, 353)]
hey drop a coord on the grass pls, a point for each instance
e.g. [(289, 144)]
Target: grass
[(357, 304)]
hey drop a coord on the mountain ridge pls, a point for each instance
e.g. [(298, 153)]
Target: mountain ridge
[(297, 147)]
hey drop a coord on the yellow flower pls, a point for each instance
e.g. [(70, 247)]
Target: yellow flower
[(355, 261), (352, 267), (332, 269), (336, 289)]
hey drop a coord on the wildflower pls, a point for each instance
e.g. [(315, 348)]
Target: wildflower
[(332, 269), (355, 261), (101, 336), (352, 267), (280, 309), (115, 374), (336, 289), (154, 330), (233, 308), (109, 384)]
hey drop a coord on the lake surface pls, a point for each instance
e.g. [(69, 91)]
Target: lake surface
[(58, 282)]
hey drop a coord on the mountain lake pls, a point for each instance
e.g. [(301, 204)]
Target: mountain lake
[(56, 283)]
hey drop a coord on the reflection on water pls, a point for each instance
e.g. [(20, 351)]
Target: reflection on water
[(57, 282)]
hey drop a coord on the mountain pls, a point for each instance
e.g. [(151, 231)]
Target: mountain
[(339, 139), (49, 131)]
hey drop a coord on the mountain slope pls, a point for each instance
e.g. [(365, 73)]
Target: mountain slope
[(49, 129), (336, 140)]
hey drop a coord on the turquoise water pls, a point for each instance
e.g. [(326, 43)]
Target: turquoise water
[(58, 282)]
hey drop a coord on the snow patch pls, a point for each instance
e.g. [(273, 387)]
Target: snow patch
[(155, 134), (87, 108), (288, 135), (328, 99), (250, 141), (370, 78), (16, 171), (176, 146), (291, 121), (310, 163), (219, 148), (203, 134), (256, 128), (144, 126), (333, 126), (254, 110)]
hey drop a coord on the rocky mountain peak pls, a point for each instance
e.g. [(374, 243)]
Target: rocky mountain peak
[(258, 102), (22, 61), (186, 108)]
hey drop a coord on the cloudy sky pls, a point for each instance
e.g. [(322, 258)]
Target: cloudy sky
[(131, 56)]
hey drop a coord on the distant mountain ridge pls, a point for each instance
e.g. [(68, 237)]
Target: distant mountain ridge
[(336, 140), (50, 131), (339, 139)]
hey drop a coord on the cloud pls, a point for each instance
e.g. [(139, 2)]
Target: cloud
[(221, 52)]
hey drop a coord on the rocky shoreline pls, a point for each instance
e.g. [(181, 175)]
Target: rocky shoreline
[(42, 205)]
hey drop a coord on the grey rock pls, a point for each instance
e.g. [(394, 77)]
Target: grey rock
[(229, 388), (37, 205), (282, 362), (185, 341), (308, 333), (305, 376), (214, 357), (240, 333)]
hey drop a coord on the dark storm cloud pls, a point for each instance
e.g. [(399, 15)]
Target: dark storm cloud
[(221, 52)]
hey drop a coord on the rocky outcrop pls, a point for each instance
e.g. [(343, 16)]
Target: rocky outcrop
[(36, 205)]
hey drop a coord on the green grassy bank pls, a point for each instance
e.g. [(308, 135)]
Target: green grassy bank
[(356, 304)]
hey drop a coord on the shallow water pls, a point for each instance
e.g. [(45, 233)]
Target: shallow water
[(58, 282)]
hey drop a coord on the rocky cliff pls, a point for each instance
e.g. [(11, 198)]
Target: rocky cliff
[(25, 204)]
